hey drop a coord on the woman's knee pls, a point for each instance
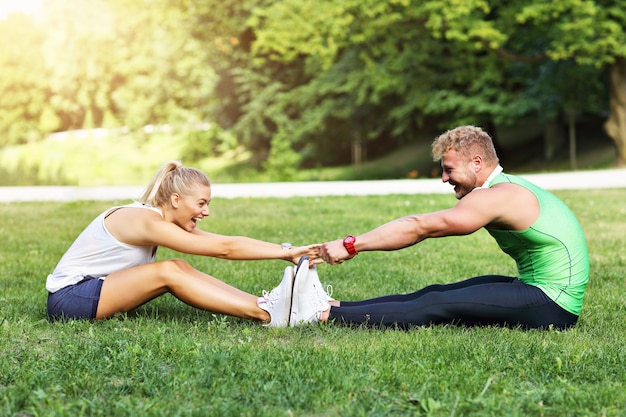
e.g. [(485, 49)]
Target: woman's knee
[(172, 269)]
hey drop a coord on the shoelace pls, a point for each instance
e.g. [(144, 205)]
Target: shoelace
[(326, 295), (321, 298), (329, 290), (270, 297)]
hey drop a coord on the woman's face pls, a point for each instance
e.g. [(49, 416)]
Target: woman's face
[(192, 207)]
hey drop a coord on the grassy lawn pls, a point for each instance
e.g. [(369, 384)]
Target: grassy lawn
[(167, 359)]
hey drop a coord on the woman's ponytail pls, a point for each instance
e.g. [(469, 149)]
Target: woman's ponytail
[(171, 178)]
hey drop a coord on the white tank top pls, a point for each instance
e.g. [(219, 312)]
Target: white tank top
[(97, 253)]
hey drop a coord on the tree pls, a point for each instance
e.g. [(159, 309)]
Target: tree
[(124, 63), (364, 71), (323, 77), (101, 63), (23, 92), (386, 65), (591, 33), (616, 124)]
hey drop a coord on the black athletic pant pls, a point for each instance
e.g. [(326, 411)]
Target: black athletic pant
[(480, 301)]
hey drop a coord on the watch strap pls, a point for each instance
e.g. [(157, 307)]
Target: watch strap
[(348, 243)]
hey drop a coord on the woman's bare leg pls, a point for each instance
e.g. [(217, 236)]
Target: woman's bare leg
[(124, 290), (199, 274)]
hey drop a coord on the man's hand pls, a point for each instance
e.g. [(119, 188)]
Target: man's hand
[(334, 252)]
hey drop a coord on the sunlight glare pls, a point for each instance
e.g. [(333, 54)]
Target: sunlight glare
[(28, 7)]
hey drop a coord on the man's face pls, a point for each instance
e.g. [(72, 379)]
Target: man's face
[(459, 173)]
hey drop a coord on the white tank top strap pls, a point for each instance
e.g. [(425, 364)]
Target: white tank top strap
[(136, 204)]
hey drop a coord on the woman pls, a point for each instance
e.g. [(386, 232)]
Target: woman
[(111, 267)]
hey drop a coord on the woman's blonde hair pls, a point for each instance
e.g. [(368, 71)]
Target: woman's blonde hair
[(466, 140), (172, 178)]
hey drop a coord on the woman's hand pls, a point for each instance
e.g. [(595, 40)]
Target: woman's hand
[(312, 251)]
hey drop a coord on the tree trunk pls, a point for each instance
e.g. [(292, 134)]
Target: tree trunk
[(357, 154), (615, 126), (571, 127), (357, 150), (553, 138)]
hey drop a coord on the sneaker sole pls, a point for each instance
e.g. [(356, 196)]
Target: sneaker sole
[(296, 280), (287, 317)]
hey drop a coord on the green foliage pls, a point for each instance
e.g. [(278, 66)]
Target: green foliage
[(168, 359), (113, 64), (129, 159), (372, 69), (207, 141), (80, 159), (356, 61), (326, 74), (23, 93), (24, 171), (594, 33), (283, 160)]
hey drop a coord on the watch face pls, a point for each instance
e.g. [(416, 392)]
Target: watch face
[(349, 239)]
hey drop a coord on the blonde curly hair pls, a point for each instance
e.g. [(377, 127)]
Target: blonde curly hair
[(467, 141)]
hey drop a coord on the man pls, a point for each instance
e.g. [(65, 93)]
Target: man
[(530, 224)]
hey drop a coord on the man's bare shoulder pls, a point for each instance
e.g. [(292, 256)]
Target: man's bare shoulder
[(511, 206)]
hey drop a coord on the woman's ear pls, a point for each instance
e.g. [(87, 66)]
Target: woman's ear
[(174, 200)]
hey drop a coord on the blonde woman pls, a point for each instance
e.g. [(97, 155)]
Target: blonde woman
[(111, 267)]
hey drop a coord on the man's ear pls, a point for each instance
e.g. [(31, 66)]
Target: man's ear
[(477, 162)]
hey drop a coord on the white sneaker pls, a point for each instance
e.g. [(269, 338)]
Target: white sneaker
[(278, 301), (308, 303), (315, 281)]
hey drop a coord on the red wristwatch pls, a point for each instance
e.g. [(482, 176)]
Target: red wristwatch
[(348, 243)]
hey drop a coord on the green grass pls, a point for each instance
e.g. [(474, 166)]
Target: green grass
[(167, 359)]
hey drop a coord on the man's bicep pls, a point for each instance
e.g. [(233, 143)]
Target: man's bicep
[(462, 219)]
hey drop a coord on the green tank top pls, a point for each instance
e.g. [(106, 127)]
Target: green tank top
[(552, 253)]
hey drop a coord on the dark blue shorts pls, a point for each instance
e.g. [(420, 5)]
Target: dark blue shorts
[(75, 302)]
